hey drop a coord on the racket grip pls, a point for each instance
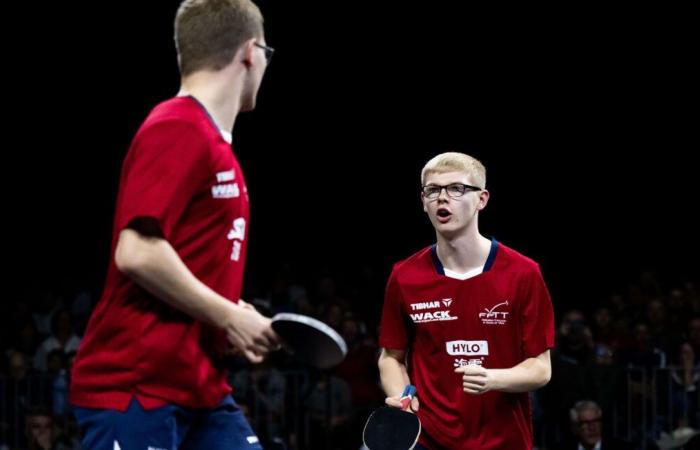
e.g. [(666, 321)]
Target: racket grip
[(408, 392)]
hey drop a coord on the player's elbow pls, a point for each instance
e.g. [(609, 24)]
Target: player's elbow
[(390, 358), (544, 375), (381, 361), (131, 255), (543, 367)]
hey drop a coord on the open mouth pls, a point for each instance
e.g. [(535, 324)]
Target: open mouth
[(443, 214)]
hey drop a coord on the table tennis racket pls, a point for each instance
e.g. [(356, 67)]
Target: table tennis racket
[(391, 428), (309, 340)]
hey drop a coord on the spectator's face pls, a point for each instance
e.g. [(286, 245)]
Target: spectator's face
[(641, 333), (574, 318), (573, 328), (676, 300), (687, 352), (304, 306), (350, 331), (656, 312), (54, 363), (40, 429), (603, 317), (18, 366), (27, 333), (694, 331), (588, 428), (64, 323), (334, 316), (603, 355)]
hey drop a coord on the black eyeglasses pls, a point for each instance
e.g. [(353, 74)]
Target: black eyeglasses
[(269, 51), (454, 190), (589, 423)]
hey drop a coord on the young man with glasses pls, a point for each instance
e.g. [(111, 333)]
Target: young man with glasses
[(149, 372), (467, 320)]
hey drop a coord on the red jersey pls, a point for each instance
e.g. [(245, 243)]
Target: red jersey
[(181, 172), (496, 319)]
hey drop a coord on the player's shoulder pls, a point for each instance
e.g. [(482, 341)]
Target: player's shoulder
[(512, 260), (420, 260), (178, 115)]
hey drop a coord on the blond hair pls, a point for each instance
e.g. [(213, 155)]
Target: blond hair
[(456, 162), (208, 33)]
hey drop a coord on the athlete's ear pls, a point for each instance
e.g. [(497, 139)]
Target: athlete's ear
[(247, 50), (483, 199), (425, 204)]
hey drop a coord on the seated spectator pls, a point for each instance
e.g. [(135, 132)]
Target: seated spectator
[(685, 373), (40, 432), (586, 425), (62, 338)]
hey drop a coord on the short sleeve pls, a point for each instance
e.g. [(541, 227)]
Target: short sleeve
[(537, 315), (167, 165), (392, 328)]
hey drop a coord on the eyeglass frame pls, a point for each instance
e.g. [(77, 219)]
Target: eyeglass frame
[(269, 51), (466, 187), (589, 422)]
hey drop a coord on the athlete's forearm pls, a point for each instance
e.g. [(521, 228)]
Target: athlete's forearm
[(153, 264), (531, 374), (392, 372)]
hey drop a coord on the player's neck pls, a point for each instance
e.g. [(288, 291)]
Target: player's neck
[(463, 253), (212, 90)]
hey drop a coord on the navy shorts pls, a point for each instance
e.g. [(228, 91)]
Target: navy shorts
[(169, 427)]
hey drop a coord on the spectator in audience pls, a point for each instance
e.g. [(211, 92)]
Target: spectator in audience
[(327, 293), (62, 337), (43, 433), (693, 295), (643, 353), (605, 383), (359, 370), (262, 389), (657, 320), (575, 339), (586, 425), (693, 333), (25, 388), (685, 374), (19, 330), (329, 406), (46, 306), (80, 309)]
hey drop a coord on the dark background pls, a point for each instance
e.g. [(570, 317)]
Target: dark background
[(585, 121)]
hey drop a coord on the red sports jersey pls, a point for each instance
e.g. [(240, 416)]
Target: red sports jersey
[(497, 319), (181, 172)]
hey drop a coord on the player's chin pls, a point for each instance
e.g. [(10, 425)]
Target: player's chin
[(447, 230), (248, 102), (248, 106)]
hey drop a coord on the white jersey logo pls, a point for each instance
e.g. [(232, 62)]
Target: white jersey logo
[(223, 177), (424, 305), (461, 362), (467, 348), (432, 316), (237, 235), (493, 317), (230, 190)]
